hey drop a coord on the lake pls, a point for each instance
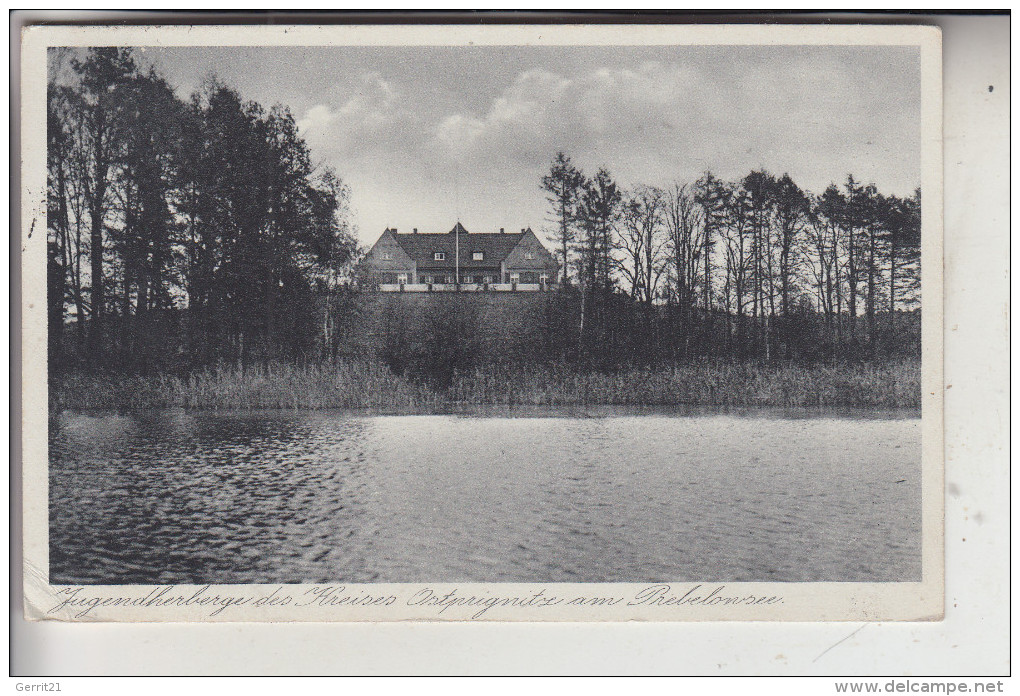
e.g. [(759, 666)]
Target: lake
[(589, 495)]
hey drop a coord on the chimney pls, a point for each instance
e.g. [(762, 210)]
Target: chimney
[(502, 231), (395, 230), (522, 230), (414, 230)]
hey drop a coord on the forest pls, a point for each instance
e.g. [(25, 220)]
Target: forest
[(755, 268), (182, 232), (195, 250)]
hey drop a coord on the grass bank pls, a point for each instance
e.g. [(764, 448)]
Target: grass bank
[(373, 386)]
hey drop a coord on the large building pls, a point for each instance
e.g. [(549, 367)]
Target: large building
[(457, 260)]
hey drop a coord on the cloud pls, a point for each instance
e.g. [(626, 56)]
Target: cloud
[(662, 120), (542, 111), (316, 120), (419, 161), (372, 119)]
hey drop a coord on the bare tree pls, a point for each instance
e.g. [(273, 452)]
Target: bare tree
[(818, 261), (643, 242), (738, 239), (630, 246), (685, 233)]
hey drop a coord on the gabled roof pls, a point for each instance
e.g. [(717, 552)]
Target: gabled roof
[(495, 247), (531, 245)]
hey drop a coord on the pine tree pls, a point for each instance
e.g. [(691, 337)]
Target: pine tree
[(563, 185)]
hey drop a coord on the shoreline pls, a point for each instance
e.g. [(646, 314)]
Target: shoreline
[(593, 412)]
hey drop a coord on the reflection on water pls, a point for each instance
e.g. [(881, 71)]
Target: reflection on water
[(589, 496)]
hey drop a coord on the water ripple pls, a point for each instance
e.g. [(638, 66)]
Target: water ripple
[(334, 497)]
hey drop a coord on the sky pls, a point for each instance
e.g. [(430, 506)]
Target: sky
[(426, 136)]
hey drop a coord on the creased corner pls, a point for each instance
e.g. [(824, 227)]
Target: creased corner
[(36, 586)]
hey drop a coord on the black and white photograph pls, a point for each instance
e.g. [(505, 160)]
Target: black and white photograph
[(476, 327)]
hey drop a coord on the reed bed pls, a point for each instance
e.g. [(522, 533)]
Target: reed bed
[(365, 385), (360, 385), (881, 385)]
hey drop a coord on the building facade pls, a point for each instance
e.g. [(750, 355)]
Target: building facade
[(458, 260)]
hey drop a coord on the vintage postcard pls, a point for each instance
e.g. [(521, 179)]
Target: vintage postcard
[(482, 323)]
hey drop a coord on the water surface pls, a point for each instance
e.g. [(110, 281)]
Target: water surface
[(589, 495)]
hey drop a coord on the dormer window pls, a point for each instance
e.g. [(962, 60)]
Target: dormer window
[(387, 256), (477, 256), (439, 256), (529, 256)]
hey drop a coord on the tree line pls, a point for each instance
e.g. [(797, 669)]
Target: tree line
[(754, 267), (188, 230)]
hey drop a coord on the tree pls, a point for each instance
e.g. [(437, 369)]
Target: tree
[(853, 220), (877, 211), (563, 185), (792, 211), (58, 150), (739, 241), (711, 195), (684, 231), (904, 248), (104, 73), (599, 212), (207, 218), (262, 236), (759, 186), (642, 242), (829, 213), (145, 189), (816, 257)]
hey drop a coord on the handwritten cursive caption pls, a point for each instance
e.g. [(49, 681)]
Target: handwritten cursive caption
[(454, 603)]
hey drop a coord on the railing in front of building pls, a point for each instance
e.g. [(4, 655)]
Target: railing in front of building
[(465, 287)]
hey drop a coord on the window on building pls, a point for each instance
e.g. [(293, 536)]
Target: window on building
[(529, 256), (401, 278), (439, 256), (486, 279), (449, 279), (427, 280), (387, 256), (468, 279), (477, 256), (543, 278), (515, 277)]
